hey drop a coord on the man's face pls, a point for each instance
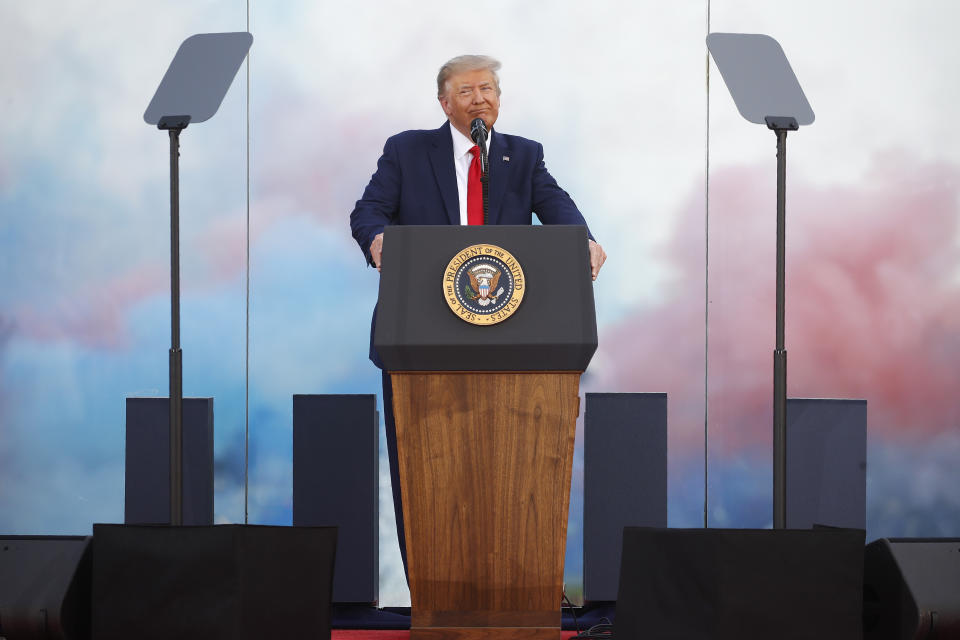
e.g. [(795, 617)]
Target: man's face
[(469, 95)]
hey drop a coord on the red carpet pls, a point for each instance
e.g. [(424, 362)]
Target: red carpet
[(361, 634)]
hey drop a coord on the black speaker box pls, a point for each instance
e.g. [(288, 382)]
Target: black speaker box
[(336, 451), (911, 589), (826, 463), (147, 464), (624, 480), (225, 581), (740, 584), (45, 587)]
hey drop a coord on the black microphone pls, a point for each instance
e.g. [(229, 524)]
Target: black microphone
[(478, 131)]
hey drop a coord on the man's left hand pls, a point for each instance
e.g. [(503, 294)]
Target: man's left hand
[(597, 257)]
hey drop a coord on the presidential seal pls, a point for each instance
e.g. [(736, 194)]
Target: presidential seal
[(483, 284)]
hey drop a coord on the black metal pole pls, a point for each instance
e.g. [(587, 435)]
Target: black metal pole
[(485, 181), (176, 356), (780, 352)]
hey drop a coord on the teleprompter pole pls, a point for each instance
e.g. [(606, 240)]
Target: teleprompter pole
[(761, 82), (194, 85), (174, 125), (780, 126)]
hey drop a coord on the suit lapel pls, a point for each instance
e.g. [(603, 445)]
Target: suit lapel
[(441, 158), (499, 174)]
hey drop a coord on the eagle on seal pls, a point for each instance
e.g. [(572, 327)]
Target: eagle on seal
[(483, 283)]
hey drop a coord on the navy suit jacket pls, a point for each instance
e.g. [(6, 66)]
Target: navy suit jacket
[(416, 183)]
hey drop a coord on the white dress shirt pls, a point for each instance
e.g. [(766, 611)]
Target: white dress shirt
[(461, 161)]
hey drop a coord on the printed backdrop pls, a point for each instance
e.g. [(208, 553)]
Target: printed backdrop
[(636, 125)]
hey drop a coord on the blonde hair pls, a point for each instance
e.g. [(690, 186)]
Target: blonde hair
[(467, 63)]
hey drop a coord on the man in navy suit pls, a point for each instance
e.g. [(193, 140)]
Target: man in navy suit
[(432, 177)]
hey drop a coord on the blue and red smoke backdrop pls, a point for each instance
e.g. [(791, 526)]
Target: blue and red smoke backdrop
[(618, 94)]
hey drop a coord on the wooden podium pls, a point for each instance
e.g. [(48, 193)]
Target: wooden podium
[(485, 418)]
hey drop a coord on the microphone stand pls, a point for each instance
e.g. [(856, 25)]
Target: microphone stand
[(478, 133), (484, 178)]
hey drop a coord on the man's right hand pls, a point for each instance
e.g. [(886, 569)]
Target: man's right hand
[(376, 250)]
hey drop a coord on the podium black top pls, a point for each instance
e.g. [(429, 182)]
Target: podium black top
[(553, 329)]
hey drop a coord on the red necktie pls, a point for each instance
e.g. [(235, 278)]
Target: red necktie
[(474, 190)]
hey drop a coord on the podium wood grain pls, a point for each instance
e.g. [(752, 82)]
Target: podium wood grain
[(485, 466)]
